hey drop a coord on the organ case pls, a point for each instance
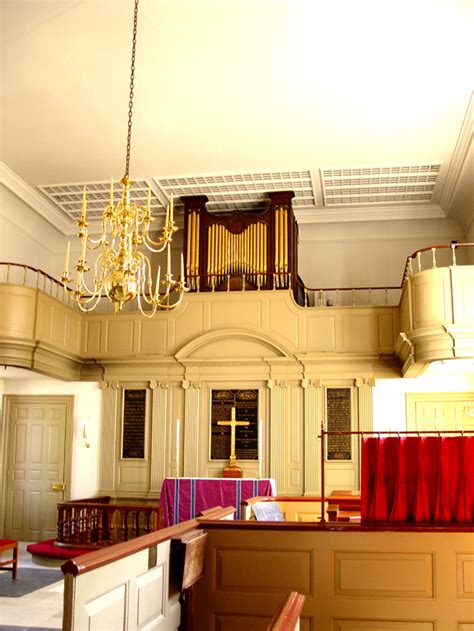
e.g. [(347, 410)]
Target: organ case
[(237, 250)]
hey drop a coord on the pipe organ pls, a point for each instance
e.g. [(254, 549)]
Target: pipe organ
[(241, 250)]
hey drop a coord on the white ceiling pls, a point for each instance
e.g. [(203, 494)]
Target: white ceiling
[(247, 91)]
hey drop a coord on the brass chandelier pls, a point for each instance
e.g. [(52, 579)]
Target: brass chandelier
[(121, 271)]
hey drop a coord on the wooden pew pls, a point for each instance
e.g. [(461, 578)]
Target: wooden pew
[(343, 506)]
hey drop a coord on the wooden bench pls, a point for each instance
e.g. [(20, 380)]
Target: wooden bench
[(287, 616), (9, 544), (343, 506)]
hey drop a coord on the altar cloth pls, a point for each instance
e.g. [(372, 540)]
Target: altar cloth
[(184, 498)]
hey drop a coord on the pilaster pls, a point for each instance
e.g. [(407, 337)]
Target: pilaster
[(312, 422), (159, 423), (109, 439), (191, 428), (277, 433), (365, 404)]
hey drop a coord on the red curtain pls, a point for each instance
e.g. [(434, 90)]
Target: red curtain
[(418, 479)]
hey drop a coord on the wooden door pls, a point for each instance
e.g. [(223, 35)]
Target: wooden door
[(440, 411), (36, 454)]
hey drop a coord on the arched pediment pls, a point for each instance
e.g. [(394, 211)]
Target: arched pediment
[(232, 344)]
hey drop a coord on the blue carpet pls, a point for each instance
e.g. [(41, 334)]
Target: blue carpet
[(27, 581)]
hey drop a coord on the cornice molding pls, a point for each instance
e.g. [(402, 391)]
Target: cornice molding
[(366, 213), (34, 199), (460, 155)]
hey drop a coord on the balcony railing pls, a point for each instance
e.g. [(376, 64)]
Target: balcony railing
[(99, 521), (321, 297)]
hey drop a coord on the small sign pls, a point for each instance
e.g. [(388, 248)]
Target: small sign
[(134, 418), (338, 413)]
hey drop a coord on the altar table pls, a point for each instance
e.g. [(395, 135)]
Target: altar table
[(184, 498)]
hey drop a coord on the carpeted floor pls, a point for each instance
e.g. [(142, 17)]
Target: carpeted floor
[(27, 581)]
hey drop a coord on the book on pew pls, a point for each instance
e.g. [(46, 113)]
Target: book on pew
[(267, 511)]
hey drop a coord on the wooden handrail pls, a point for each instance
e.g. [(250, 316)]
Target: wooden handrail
[(98, 558), (216, 513), (288, 613)]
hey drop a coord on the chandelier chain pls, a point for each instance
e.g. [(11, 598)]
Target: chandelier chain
[(130, 98)]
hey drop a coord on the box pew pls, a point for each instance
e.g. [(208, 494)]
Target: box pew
[(354, 577), (130, 585)]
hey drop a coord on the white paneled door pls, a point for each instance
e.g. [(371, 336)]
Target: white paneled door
[(35, 479)]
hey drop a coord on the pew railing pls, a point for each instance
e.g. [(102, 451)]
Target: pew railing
[(101, 521)]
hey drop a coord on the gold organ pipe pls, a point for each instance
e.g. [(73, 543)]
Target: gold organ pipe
[(224, 251), (277, 245), (252, 252), (264, 250), (285, 245), (188, 249), (196, 243)]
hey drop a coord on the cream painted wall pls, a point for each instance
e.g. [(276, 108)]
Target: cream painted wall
[(389, 396), (366, 253), (25, 237), (87, 401)]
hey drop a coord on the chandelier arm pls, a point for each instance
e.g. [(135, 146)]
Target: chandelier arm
[(157, 246)]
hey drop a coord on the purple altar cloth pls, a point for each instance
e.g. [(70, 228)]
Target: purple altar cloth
[(184, 498)]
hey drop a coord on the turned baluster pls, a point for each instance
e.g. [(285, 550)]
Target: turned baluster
[(89, 522), (60, 533), (111, 524), (136, 523), (147, 527), (100, 526), (123, 524)]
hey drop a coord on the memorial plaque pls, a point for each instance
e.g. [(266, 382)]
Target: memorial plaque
[(134, 420), (338, 414), (246, 437)]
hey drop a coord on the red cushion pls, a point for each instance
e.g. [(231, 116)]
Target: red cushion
[(50, 549)]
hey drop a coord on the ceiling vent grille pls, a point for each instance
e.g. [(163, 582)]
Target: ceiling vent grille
[(69, 197), (379, 184), (242, 191)]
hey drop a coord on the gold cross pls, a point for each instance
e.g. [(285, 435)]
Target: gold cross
[(233, 424)]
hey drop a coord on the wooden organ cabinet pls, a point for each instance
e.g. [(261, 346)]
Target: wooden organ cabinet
[(237, 250)]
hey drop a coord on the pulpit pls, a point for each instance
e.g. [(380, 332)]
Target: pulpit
[(184, 498)]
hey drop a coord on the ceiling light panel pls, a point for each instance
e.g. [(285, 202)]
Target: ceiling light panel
[(68, 197), (242, 191), (379, 184)]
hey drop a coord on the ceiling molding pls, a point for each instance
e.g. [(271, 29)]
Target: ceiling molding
[(460, 155), (377, 213), (33, 199)]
